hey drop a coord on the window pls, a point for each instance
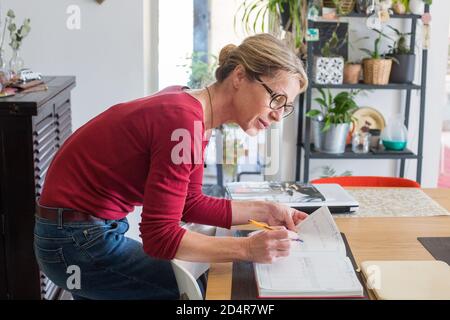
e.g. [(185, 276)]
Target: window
[(176, 38)]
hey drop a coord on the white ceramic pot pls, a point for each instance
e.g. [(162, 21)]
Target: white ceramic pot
[(417, 6), (328, 70)]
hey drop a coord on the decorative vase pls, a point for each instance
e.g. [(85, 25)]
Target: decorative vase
[(16, 63), (395, 134), (417, 7)]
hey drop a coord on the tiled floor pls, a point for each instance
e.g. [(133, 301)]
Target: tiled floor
[(444, 173)]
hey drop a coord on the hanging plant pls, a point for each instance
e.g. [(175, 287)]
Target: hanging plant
[(273, 16)]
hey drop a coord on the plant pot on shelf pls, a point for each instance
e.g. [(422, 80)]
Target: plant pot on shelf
[(377, 71), (403, 70), (345, 6), (352, 73), (417, 6), (328, 70), (362, 5), (331, 141), (317, 133)]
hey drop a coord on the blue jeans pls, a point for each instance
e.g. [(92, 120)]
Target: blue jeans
[(110, 265)]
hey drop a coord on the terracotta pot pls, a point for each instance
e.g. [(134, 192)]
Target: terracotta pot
[(352, 73)]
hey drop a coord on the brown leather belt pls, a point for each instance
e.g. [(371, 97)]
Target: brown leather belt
[(68, 215)]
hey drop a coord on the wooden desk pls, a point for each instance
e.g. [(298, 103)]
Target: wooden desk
[(369, 238)]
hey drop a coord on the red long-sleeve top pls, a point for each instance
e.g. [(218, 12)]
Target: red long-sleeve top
[(147, 152)]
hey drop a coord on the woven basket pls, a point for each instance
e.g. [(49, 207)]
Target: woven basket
[(345, 6), (377, 71)]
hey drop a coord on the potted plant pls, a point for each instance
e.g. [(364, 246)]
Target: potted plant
[(403, 70), (329, 67), (377, 68), (331, 123), (343, 7), (418, 6), (352, 69), (200, 68), (399, 6), (289, 15)]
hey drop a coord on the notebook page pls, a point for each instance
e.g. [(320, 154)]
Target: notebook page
[(326, 273), (319, 233)]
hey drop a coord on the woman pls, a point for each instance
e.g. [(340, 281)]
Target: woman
[(149, 152)]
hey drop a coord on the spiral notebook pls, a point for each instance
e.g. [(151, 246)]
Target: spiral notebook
[(317, 267)]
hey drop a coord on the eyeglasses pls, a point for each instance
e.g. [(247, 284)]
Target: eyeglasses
[(278, 100)]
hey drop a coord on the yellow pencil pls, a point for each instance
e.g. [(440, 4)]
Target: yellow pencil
[(261, 224), (267, 227)]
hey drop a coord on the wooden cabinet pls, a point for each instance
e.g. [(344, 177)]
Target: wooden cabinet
[(33, 127)]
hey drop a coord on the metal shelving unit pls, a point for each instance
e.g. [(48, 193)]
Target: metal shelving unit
[(305, 148)]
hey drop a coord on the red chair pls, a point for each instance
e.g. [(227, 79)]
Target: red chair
[(361, 181)]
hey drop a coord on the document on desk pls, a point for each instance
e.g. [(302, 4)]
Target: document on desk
[(316, 267)]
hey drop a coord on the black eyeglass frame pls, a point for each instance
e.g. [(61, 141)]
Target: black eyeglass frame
[(273, 95)]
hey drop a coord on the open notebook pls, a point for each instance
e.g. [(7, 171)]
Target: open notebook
[(317, 267)]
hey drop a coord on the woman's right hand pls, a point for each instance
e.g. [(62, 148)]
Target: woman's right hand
[(267, 246)]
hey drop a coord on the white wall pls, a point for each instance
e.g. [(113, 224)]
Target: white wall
[(436, 90), (106, 55), (109, 55)]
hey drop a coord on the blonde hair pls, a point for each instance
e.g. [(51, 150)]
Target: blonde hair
[(261, 55)]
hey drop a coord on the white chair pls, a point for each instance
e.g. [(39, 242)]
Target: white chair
[(187, 273)]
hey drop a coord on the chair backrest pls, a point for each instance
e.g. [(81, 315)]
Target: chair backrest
[(369, 181), (187, 284), (186, 272)]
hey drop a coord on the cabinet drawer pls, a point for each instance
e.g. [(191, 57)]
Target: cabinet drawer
[(63, 108), (63, 118), (67, 127), (41, 142), (41, 149), (43, 125)]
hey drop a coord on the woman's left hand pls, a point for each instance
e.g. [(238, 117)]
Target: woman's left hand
[(282, 215)]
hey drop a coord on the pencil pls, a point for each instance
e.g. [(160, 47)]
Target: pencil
[(267, 227), (261, 224)]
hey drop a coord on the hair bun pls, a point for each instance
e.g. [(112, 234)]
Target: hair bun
[(225, 53)]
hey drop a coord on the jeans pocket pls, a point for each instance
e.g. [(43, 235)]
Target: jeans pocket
[(49, 256), (88, 237)]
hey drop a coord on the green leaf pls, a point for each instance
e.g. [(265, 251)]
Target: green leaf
[(313, 113), (370, 53), (327, 125), (395, 30), (321, 102), (11, 14), (322, 93), (330, 98), (12, 27)]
